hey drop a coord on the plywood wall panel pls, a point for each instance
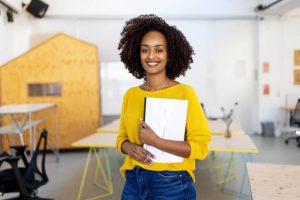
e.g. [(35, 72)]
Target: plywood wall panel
[(61, 59)]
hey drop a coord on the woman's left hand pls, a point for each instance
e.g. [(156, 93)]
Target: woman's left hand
[(147, 135)]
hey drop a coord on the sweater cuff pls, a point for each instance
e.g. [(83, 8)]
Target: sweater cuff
[(120, 147)]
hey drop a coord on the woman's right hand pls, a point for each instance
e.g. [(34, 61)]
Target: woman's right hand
[(137, 152)]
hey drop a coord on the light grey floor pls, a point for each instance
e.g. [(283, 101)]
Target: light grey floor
[(65, 176)]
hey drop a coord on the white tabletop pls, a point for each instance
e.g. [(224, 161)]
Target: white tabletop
[(274, 181), (24, 108), (112, 127), (237, 143), (216, 127), (219, 127), (98, 140), (288, 108)]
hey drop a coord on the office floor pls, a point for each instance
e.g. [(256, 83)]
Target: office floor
[(65, 176)]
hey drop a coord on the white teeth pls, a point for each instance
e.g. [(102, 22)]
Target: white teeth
[(152, 63)]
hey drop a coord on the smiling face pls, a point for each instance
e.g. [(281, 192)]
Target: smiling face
[(154, 53)]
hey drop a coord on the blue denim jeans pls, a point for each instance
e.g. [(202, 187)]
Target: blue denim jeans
[(143, 184)]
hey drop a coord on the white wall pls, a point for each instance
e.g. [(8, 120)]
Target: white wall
[(223, 71), (13, 36), (278, 38), (270, 50)]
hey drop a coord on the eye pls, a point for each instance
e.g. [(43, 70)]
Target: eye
[(159, 50), (144, 50)]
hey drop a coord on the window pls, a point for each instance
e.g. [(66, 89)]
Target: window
[(44, 89)]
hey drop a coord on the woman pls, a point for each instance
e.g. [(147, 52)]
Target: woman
[(158, 53)]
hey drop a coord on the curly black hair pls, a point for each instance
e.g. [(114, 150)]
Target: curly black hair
[(179, 50)]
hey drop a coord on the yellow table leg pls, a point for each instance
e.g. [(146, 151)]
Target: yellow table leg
[(105, 174), (87, 162)]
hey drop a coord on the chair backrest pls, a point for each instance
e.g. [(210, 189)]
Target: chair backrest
[(297, 108), (35, 177), (295, 116), (28, 178)]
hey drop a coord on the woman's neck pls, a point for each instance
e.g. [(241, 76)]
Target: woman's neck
[(156, 83)]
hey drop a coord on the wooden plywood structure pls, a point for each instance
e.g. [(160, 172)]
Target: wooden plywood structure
[(274, 181), (73, 64)]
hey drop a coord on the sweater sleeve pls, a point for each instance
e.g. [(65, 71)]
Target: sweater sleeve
[(122, 136), (197, 130)]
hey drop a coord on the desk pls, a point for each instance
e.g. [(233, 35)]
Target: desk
[(236, 144), (21, 117), (93, 142), (218, 127), (112, 127), (288, 108), (274, 181)]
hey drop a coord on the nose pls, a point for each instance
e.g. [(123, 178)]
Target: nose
[(151, 54)]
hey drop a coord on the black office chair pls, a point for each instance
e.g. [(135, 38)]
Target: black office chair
[(295, 122), (28, 178)]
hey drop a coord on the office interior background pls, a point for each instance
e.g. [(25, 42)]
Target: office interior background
[(242, 54)]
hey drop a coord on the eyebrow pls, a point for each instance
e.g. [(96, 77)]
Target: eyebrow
[(159, 45)]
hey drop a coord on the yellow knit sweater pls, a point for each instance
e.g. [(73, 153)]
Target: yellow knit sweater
[(197, 130)]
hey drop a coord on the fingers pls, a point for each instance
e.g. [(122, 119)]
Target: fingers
[(149, 154), (146, 160), (143, 156)]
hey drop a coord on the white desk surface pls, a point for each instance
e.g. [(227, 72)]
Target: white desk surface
[(97, 140), (112, 127), (219, 127), (288, 108), (24, 108), (237, 143), (274, 181), (14, 129), (216, 126)]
